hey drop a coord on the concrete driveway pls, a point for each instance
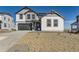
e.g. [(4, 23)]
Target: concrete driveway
[(7, 40)]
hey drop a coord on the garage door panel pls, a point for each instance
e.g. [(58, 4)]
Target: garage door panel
[(24, 26)]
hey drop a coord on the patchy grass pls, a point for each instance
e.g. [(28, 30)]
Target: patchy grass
[(47, 42)]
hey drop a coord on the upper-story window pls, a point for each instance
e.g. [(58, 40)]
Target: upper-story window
[(48, 22), (21, 16), (33, 16), (55, 23), (28, 16), (4, 18), (8, 19)]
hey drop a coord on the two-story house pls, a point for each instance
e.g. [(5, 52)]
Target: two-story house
[(27, 19), (6, 21)]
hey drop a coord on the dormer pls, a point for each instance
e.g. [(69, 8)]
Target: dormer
[(23, 10), (20, 15)]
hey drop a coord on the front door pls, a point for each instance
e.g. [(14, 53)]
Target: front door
[(38, 26)]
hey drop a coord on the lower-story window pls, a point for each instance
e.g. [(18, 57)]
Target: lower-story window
[(4, 24), (48, 22), (55, 22), (74, 26)]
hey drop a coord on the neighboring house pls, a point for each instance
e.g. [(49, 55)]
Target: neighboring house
[(52, 22), (27, 19), (75, 25), (6, 21)]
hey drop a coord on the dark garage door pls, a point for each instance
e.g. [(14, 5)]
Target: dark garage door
[(24, 26)]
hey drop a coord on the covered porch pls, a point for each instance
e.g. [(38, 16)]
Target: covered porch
[(36, 25)]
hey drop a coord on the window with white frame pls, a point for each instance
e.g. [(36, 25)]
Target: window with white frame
[(28, 16), (5, 25), (21, 16), (8, 19), (55, 22), (48, 22), (4, 18), (74, 26), (33, 16)]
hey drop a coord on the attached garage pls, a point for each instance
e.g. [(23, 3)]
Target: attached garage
[(24, 26)]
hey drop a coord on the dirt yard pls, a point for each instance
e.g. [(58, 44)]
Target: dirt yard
[(47, 42)]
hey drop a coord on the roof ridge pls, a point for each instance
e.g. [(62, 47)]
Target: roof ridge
[(5, 13)]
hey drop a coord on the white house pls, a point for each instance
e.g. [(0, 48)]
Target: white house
[(27, 19), (52, 22), (6, 21)]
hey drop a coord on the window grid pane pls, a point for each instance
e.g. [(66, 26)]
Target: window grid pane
[(4, 24), (28, 16), (33, 16), (21, 16), (4, 18), (55, 23), (48, 22)]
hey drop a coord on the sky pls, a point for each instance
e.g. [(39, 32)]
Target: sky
[(68, 12)]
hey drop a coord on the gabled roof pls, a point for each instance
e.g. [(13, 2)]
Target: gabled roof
[(57, 14), (5, 13), (22, 9), (40, 14), (52, 12), (30, 11), (27, 11), (74, 23), (77, 21), (77, 16)]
